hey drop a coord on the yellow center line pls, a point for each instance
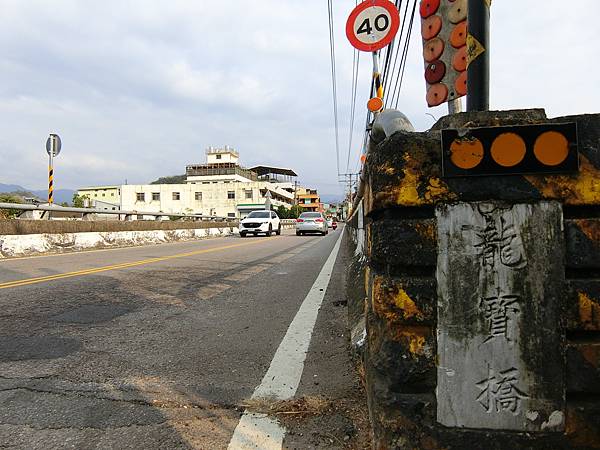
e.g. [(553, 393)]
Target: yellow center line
[(24, 282)]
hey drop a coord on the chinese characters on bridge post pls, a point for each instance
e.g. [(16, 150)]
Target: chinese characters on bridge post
[(498, 316)]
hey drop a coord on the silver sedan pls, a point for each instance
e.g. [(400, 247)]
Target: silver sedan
[(311, 222)]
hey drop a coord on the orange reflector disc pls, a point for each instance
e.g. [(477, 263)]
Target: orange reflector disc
[(375, 104), (363, 158), (551, 148), (466, 153), (508, 149)]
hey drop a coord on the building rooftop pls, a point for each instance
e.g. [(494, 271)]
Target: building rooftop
[(266, 170), (220, 150)]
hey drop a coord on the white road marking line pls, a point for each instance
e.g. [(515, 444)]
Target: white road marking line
[(258, 431)]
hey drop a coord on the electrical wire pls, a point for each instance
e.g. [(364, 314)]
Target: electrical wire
[(355, 65), (404, 58), (333, 80), (387, 73), (396, 75)]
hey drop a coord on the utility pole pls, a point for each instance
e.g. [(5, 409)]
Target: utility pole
[(478, 51), (296, 192)]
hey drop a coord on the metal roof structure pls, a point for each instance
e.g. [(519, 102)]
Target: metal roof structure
[(264, 170)]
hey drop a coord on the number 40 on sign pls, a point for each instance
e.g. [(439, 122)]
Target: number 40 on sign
[(372, 25)]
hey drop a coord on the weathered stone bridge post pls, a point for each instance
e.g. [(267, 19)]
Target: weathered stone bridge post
[(481, 294)]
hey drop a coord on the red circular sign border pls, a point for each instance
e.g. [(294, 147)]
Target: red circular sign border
[(395, 26)]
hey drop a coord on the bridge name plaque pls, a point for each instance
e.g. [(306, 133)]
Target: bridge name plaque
[(500, 275)]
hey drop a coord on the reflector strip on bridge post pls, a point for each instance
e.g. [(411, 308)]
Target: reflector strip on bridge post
[(528, 149)]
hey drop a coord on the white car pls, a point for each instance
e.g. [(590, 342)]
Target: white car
[(260, 222)]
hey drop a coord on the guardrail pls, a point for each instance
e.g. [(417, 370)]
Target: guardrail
[(123, 215), (47, 211)]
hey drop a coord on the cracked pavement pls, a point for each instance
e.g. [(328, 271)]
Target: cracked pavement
[(154, 356)]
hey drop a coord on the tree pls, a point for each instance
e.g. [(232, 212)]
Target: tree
[(79, 200), (295, 211), (283, 212), (9, 213), (174, 179)]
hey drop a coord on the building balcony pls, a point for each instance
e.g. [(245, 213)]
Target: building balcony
[(206, 170)]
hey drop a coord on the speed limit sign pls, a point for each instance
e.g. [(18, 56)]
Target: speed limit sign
[(372, 25)]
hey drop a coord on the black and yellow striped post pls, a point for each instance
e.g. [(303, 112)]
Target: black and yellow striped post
[(51, 181), (53, 146), (375, 104)]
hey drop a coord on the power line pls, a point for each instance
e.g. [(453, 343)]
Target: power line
[(405, 53), (333, 80), (355, 65), (388, 58), (396, 76)]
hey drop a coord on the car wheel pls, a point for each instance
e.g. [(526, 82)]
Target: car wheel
[(270, 231), (255, 234), (297, 233), (278, 232), (243, 234)]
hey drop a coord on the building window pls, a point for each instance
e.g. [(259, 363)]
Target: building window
[(156, 196), (198, 196), (231, 195), (249, 194), (218, 156), (140, 197), (206, 182), (230, 214), (176, 196), (103, 194)]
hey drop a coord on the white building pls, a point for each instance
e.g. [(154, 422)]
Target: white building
[(219, 187)]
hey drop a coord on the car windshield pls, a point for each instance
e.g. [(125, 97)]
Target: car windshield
[(259, 215), (310, 215)]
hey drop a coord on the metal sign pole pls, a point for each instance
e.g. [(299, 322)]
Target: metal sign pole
[(478, 42), (53, 146)]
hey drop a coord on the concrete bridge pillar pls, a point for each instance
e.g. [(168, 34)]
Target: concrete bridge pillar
[(482, 305)]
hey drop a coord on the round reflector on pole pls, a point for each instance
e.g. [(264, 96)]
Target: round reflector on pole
[(375, 104)]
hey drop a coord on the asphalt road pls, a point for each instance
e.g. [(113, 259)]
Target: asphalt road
[(161, 346)]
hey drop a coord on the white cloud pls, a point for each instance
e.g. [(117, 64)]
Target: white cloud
[(138, 89)]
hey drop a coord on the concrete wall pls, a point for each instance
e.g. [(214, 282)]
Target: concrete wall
[(414, 295), (13, 245), (20, 226)]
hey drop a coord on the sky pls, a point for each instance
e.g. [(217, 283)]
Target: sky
[(137, 89)]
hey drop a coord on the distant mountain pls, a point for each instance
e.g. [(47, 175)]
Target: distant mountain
[(60, 195), (332, 198), (11, 188)]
